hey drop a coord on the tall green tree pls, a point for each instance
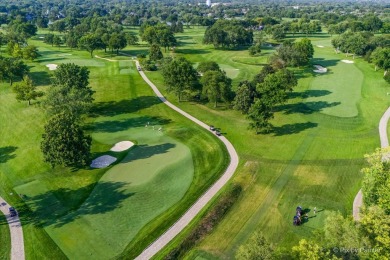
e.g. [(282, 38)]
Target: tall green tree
[(132, 39), (305, 52), (3, 40), (275, 87), (207, 65), (117, 42), (57, 40), (308, 250), (30, 52), (70, 91), (155, 52), (256, 248), (381, 58), (245, 97), (64, 142), (216, 86), (49, 38), (260, 113), (12, 68), (26, 91), (376, 181), (375, 224), (91, 42), (180, 76)]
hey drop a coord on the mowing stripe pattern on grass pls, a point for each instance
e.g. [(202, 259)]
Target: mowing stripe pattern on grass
[(174, 230), (358, 201), (16, 232)]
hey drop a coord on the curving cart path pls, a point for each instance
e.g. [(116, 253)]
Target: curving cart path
[(174, 230), (16, 232), (358, 201)]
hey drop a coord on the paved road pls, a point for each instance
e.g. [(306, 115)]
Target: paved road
[(358, 201), (174, 230), (16, 231)]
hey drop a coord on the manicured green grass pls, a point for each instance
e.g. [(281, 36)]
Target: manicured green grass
[(338, 91), (5, 239), (313, 155), (151, 178), (154, 183)]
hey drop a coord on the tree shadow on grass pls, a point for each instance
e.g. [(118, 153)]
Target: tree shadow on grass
[(62, 206), (40, 78), (147, 151), (51, 59), (121, 125), (191, 51), (305, 107), (324, 62), (309, 93), (113, 108), (289, 129), (134, 52), (7, 153)]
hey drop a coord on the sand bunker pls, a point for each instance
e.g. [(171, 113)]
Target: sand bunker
[(320, 46), (52, 66), (103, 161), (66, 54), (121, 146), (347, 61), (320, 69)]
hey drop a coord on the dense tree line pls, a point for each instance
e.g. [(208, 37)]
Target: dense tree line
[(375, 49), (294, 54), (68, 100), (226, 33)]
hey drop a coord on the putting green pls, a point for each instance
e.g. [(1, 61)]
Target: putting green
[(154, 175), (342, 83)]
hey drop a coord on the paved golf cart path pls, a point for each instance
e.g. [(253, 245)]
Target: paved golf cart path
[(358, 201), (164, 239), (16, 232)]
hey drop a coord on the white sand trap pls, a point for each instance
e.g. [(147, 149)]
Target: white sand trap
[(320, 69), (122, 146), (41, 37), (347, 61), (52, 66), (66, 54), (320, 46), (103, 161)]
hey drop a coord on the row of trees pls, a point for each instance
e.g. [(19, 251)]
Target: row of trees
[(67, 101), (304, 26), (228, 33), (294, 54), (375, 49), (12, 69), (184, 80), (160, 34), (259, 97), (359, 43)]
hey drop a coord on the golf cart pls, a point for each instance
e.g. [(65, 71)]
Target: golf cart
[(12, 212)]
